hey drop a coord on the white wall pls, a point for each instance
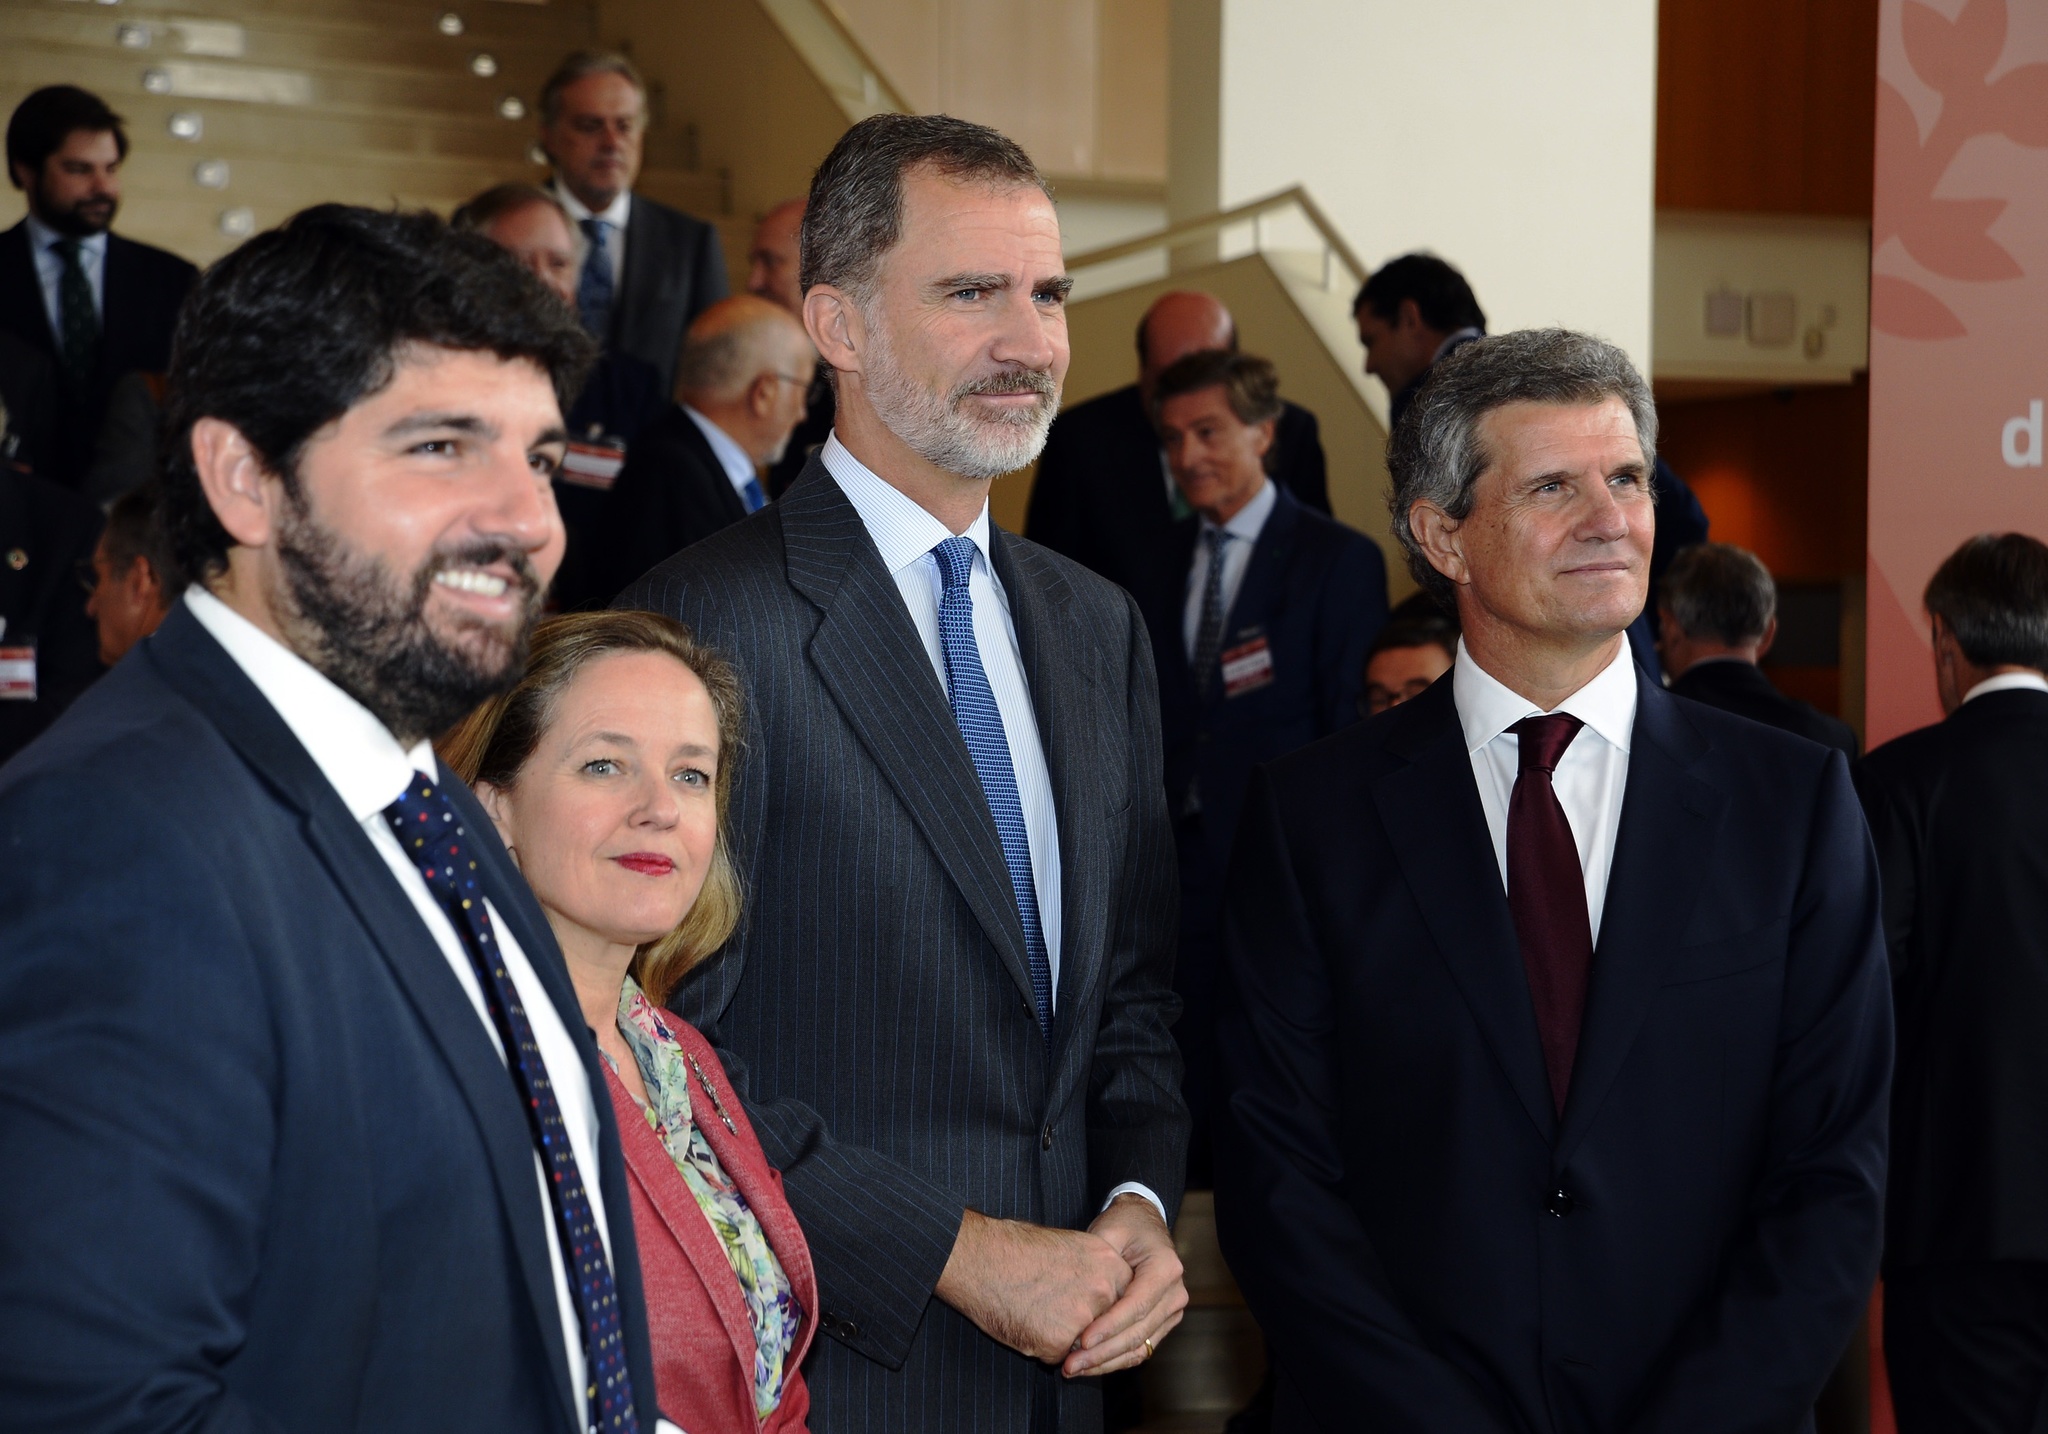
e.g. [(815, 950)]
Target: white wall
[(1517, 140)]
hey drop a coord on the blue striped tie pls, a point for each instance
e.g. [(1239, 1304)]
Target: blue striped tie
[(981, 723), (594, 288)]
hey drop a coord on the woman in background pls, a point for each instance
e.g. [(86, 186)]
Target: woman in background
[(607, 771)]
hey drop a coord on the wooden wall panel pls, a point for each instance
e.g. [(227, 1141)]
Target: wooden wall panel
[(1766, 106)]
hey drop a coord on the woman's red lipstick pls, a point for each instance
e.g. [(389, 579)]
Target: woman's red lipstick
[(647, 863)]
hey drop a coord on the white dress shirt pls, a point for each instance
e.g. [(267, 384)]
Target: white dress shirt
[(1591, 777), (905, 534), (92, 257), (614, 214), (369, 770), (1244, 528), (739, 469), (2009, 682)]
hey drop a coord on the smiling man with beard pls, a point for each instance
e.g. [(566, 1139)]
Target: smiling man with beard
[(948, 1004), (295, 1095)]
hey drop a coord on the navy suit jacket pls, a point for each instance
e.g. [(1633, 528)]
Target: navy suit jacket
[(1426, 1243), (143, 289), (1316, 592), (265, 1168), (674, 270)]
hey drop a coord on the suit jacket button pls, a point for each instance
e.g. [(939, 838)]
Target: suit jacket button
[(1560, 1203), (848, 1330), (1045, 1139)]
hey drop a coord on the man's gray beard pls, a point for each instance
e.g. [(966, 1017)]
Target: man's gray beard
[(940, 432), (368, 634)]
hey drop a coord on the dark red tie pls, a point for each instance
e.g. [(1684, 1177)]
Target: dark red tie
[(1547, 894)]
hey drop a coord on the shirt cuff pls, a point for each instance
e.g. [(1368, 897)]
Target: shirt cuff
[(1132, 1187), (662, 1426)]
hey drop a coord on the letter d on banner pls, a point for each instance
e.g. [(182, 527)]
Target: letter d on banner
[(2021, 441)]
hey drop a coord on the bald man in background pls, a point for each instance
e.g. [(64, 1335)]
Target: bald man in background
[(772, 275), (741, 383), (1103, 496)]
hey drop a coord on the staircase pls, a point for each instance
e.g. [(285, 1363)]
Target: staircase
[(241, 112)]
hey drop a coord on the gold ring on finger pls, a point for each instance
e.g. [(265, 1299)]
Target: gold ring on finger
[(1148, 1349)]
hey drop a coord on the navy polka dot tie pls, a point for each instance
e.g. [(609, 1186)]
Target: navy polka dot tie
[(433, 836)]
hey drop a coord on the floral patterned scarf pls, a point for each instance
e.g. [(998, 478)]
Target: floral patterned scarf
[(666, 1069)]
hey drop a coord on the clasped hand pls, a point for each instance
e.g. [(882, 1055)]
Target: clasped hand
[(1087, 1300)]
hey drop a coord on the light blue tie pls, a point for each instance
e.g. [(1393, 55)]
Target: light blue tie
[(594, 285), (981, 723)]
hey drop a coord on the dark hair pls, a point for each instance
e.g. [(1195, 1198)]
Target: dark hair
[(1435, 452), (1440, 292), (855, 212), (135, 529), (1720, 592), (494, 203), (1992, 593), (581, 64), (43, 120), (494, 742), (1418, 620), (1250, 384), (302, 323)]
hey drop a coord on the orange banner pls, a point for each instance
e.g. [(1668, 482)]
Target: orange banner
[(1958, 314)]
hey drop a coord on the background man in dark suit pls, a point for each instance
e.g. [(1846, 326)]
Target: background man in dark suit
[(1955, 811), (98, 305), (649, 269), (1102, 495), (49, 652), (1417, 646), (1259, 646), (621, 395), (774, 262), (951, 994), (1557, 1040), (134, 578), (1417, 309), (297, 1105), (740, 390), (1717, 615)]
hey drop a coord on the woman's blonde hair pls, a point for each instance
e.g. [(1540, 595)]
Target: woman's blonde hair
[(495, 741)]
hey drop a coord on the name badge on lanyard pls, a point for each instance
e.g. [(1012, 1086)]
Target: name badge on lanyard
[(18, 672), (1246, 667)]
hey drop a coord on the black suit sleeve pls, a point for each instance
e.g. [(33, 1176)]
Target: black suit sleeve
[(1809, 1257), (1303, 469), (1137, 1123), (1896, 833), (1293, 1240), (137, 1117), (1051, 518), (708, 283)]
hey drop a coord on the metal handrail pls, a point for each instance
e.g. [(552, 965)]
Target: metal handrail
[(878, 95), (1188, 230)]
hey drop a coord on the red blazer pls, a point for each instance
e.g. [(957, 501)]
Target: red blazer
[(696, 1318)]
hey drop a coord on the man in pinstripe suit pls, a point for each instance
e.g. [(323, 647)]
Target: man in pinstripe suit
[(949, 1003)]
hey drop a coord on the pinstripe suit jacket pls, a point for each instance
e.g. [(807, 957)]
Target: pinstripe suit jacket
[(875, 1006)]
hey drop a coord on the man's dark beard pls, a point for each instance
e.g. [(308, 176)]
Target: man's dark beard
[(72, 223), (352, 621)]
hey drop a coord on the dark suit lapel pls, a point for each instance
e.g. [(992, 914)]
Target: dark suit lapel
[(197, 666), (1062, 683), (1668, 816), (1437, 827), (1258, 596), (638, 272), (711, 473), (867, 653), (22, 293)]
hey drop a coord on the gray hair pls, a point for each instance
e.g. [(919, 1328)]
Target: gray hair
[(1435, 453), (1720, 593), (855, 212), (581, 65)]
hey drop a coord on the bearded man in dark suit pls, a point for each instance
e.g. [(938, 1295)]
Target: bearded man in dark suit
[(1557, 1040), (97, 305), (949, 1004)]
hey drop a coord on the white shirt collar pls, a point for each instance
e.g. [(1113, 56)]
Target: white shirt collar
[(356, 752), (2009, 682), (1487, 707), (903, 531), (43, 236), (1250, 520), (739, 468), (615, 213)]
